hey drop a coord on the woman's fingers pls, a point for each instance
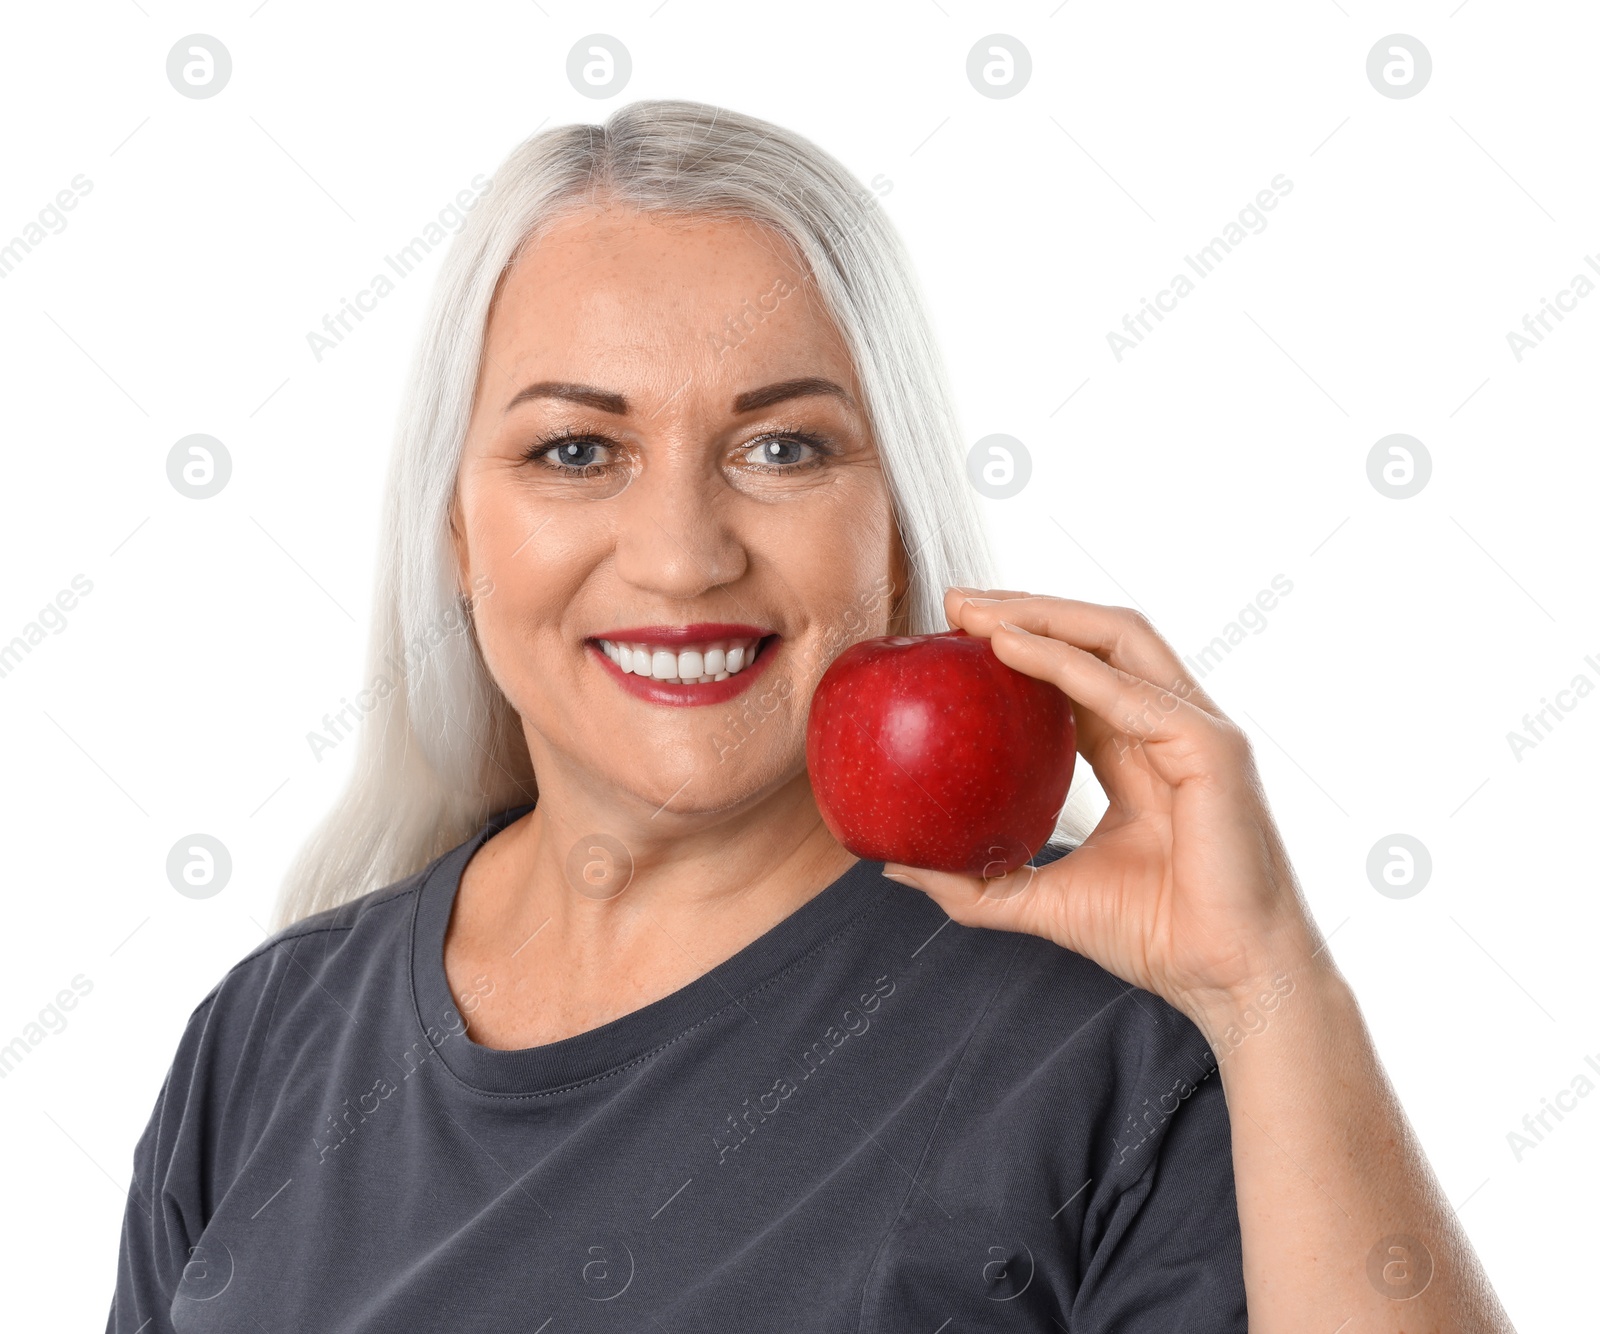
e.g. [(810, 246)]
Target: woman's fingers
[(1177, 734), (1136, 700), (1118, 636), (1010, 902), (955, 596), (1064, 901)]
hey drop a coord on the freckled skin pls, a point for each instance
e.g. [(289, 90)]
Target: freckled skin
[(930, 751)]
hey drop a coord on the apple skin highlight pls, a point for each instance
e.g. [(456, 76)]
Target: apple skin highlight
[(930, 751)]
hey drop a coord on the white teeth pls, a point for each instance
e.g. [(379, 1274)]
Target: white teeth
[(715, 661)]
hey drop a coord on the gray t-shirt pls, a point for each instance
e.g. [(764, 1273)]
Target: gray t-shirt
[(868, 1119)]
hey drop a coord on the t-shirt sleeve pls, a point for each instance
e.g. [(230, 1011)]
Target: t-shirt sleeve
[(194, 1144), (1167, 1255), (163, 1216)]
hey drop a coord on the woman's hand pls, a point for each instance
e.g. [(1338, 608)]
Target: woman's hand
[(1184, 887)]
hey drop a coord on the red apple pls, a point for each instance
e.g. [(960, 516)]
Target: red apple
[(930, 751)]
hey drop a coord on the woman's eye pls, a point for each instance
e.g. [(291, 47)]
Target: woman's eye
[(782, 451), (586, 467), (574, 454)]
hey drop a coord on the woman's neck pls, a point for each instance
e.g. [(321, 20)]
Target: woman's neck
[(567, 919)]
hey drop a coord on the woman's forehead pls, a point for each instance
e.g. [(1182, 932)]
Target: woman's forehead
[(725, 300), (664, 258)]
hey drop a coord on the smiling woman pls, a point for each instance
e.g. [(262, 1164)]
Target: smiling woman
[(624, 250), (624, 956)]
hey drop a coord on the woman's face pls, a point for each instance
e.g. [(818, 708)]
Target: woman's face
[(669, 466)]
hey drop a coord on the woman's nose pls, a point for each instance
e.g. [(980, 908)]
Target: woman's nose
[(674, 535)]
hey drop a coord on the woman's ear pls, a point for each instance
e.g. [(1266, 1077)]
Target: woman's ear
[(458, 544), (899, 587)]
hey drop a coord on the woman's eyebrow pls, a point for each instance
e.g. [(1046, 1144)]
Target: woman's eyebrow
[(751, 400), (786, 389), (602, 399)]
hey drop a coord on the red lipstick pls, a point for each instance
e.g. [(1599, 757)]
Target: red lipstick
[(698, 633), (710, 692)]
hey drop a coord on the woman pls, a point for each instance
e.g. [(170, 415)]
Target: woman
[(580, 1017)]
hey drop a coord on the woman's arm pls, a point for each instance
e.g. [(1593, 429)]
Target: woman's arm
[(1185, 889), (1343, 1224)]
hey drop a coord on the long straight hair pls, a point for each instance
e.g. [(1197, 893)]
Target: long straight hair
[(440, 749)]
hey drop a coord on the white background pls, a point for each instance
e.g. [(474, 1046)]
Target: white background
[(1229, 447)]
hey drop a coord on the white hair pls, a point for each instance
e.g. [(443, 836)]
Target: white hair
[(440, 748)]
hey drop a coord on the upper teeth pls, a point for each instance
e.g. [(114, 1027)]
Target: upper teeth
[(714, 660)]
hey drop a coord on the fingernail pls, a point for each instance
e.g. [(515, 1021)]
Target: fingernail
[(979, 602), (898, 873), (1006, 625), (962, 588)]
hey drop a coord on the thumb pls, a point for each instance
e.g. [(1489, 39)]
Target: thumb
[(1003, 903)]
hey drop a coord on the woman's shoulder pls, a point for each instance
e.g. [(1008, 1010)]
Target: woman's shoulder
[(327, 941), (377, 915), (1071, 1015), (321, 963), (1081, 1017), (267, 1012)]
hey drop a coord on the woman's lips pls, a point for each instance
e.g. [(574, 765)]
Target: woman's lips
[(701, 692), (670, 636)]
